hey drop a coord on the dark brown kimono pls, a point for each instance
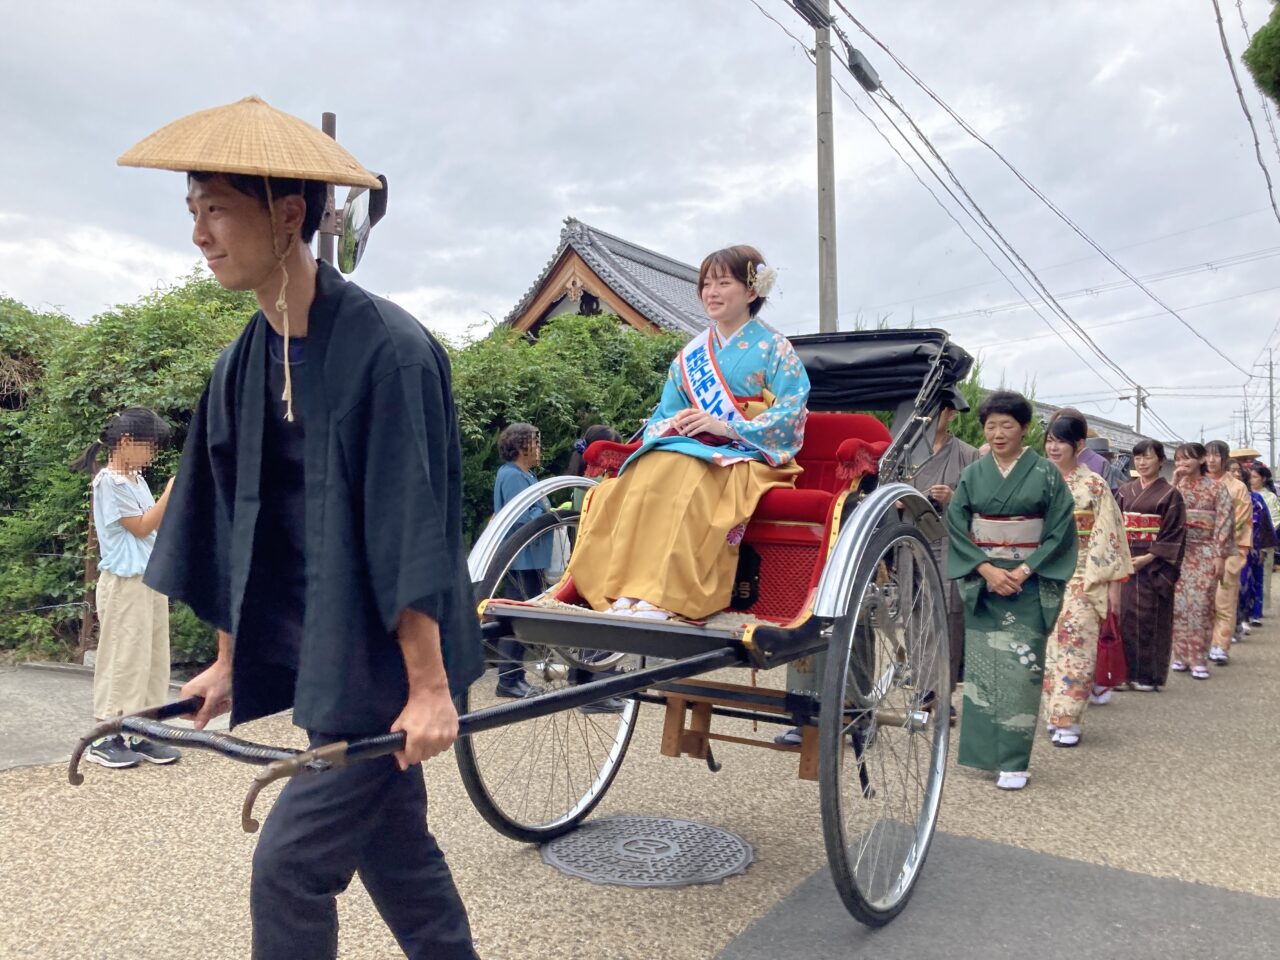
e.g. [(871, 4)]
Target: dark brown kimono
[(1146, 598)]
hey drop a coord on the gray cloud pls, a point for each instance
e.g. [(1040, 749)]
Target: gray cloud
[(682, 125)]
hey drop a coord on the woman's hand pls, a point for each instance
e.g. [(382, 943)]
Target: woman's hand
[(1000, 581), (1218, 567), (690, 422), (1143, 561)]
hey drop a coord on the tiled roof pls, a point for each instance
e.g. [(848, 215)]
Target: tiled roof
[(662, 290)]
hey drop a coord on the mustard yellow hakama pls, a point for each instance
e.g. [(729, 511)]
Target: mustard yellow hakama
[(661, 532)]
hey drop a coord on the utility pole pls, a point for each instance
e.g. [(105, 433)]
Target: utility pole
[(329, 222), (827, 292), (1244, 415), (1137, 413), (818, 15), (1271, 404)]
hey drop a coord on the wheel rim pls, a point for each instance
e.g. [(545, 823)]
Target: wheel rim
[(537, 778), (893, 735), (501, 580), (547, 773)]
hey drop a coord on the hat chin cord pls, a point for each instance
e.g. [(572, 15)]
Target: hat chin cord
[(282, 301)]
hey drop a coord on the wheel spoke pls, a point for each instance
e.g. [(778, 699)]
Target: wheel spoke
[(894, 676)]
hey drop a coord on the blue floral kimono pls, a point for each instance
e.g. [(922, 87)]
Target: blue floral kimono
[(755, 360), (668, 528)]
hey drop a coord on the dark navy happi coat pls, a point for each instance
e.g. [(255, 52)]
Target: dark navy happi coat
[(383, 491)]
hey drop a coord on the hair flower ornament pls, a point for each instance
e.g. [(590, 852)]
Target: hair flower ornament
[(761, 277)]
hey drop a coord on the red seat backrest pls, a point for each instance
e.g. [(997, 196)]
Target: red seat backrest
[(823, 434)]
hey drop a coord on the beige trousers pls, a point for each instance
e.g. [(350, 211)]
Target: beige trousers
[(1226, 602), (132, 668)]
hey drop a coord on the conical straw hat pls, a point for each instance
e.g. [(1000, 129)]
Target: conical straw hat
[(252, 137)]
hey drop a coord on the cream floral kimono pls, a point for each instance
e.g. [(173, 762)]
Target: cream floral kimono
[(1072, 651)]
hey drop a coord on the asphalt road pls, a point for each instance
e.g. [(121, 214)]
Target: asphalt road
[(1154, 838)]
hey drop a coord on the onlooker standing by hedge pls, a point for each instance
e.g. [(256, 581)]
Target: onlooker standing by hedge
[(132, 666), (520, 446)]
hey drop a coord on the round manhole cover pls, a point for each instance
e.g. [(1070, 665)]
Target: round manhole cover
[(648, 852)]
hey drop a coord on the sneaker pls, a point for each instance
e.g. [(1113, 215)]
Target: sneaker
[(1014, 780), (516, 689), (1100, 696), (1200, 672), (791, 738), (1066, 736), (611, 705), (1255, 621), (112, 752), (1143, 687), (1219, 656), (154, 752), (1244, 629), (1179, 667)]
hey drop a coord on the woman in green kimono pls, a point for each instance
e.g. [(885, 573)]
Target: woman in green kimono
[(1013, 549)]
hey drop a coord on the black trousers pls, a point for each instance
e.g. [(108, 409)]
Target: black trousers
[(368, 818)]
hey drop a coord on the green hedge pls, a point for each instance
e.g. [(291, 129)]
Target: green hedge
[(59, 381)]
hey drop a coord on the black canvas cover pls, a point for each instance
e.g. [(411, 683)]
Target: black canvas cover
[(875, 369)]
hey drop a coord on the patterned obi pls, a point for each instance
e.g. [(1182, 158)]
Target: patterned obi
[(1007, 538), (1084, 525), (1200, 524), (1141, 527)]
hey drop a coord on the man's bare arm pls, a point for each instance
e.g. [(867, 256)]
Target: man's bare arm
[(429, 718)]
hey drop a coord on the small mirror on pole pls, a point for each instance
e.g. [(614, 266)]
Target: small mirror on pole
[(361, 211)]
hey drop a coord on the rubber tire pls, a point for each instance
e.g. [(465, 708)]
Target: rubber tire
[(831, 729), (468, 768)]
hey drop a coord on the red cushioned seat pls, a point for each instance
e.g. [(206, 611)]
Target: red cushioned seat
[(791, 527), (829, 435), (784, 505)]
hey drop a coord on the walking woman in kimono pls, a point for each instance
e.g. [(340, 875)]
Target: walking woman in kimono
[(1260, 482), (1226, 601), (1013, 549), (1155, 519), (1103, 559), (1209, 544), (662, 538), (1264, 539)]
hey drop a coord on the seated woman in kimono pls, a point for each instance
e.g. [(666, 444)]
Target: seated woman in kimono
[(1013, 549), (662, 538)]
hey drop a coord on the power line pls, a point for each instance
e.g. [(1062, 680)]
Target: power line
[(1068, 263), (987, 229), (810, 54), (1076, 228), (1174, 273), (1023, 266), (1145, 316)]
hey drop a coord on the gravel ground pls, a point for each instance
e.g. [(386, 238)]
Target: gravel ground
[(151, 862)]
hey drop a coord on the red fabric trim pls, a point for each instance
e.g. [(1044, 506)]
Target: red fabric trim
[(605, 458), (858, 458)]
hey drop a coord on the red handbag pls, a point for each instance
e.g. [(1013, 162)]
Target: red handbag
[(1112, 670)]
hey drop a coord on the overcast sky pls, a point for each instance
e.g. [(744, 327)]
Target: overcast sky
[(687, 125)]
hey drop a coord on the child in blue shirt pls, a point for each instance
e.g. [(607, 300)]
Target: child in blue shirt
[(132, 666)]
